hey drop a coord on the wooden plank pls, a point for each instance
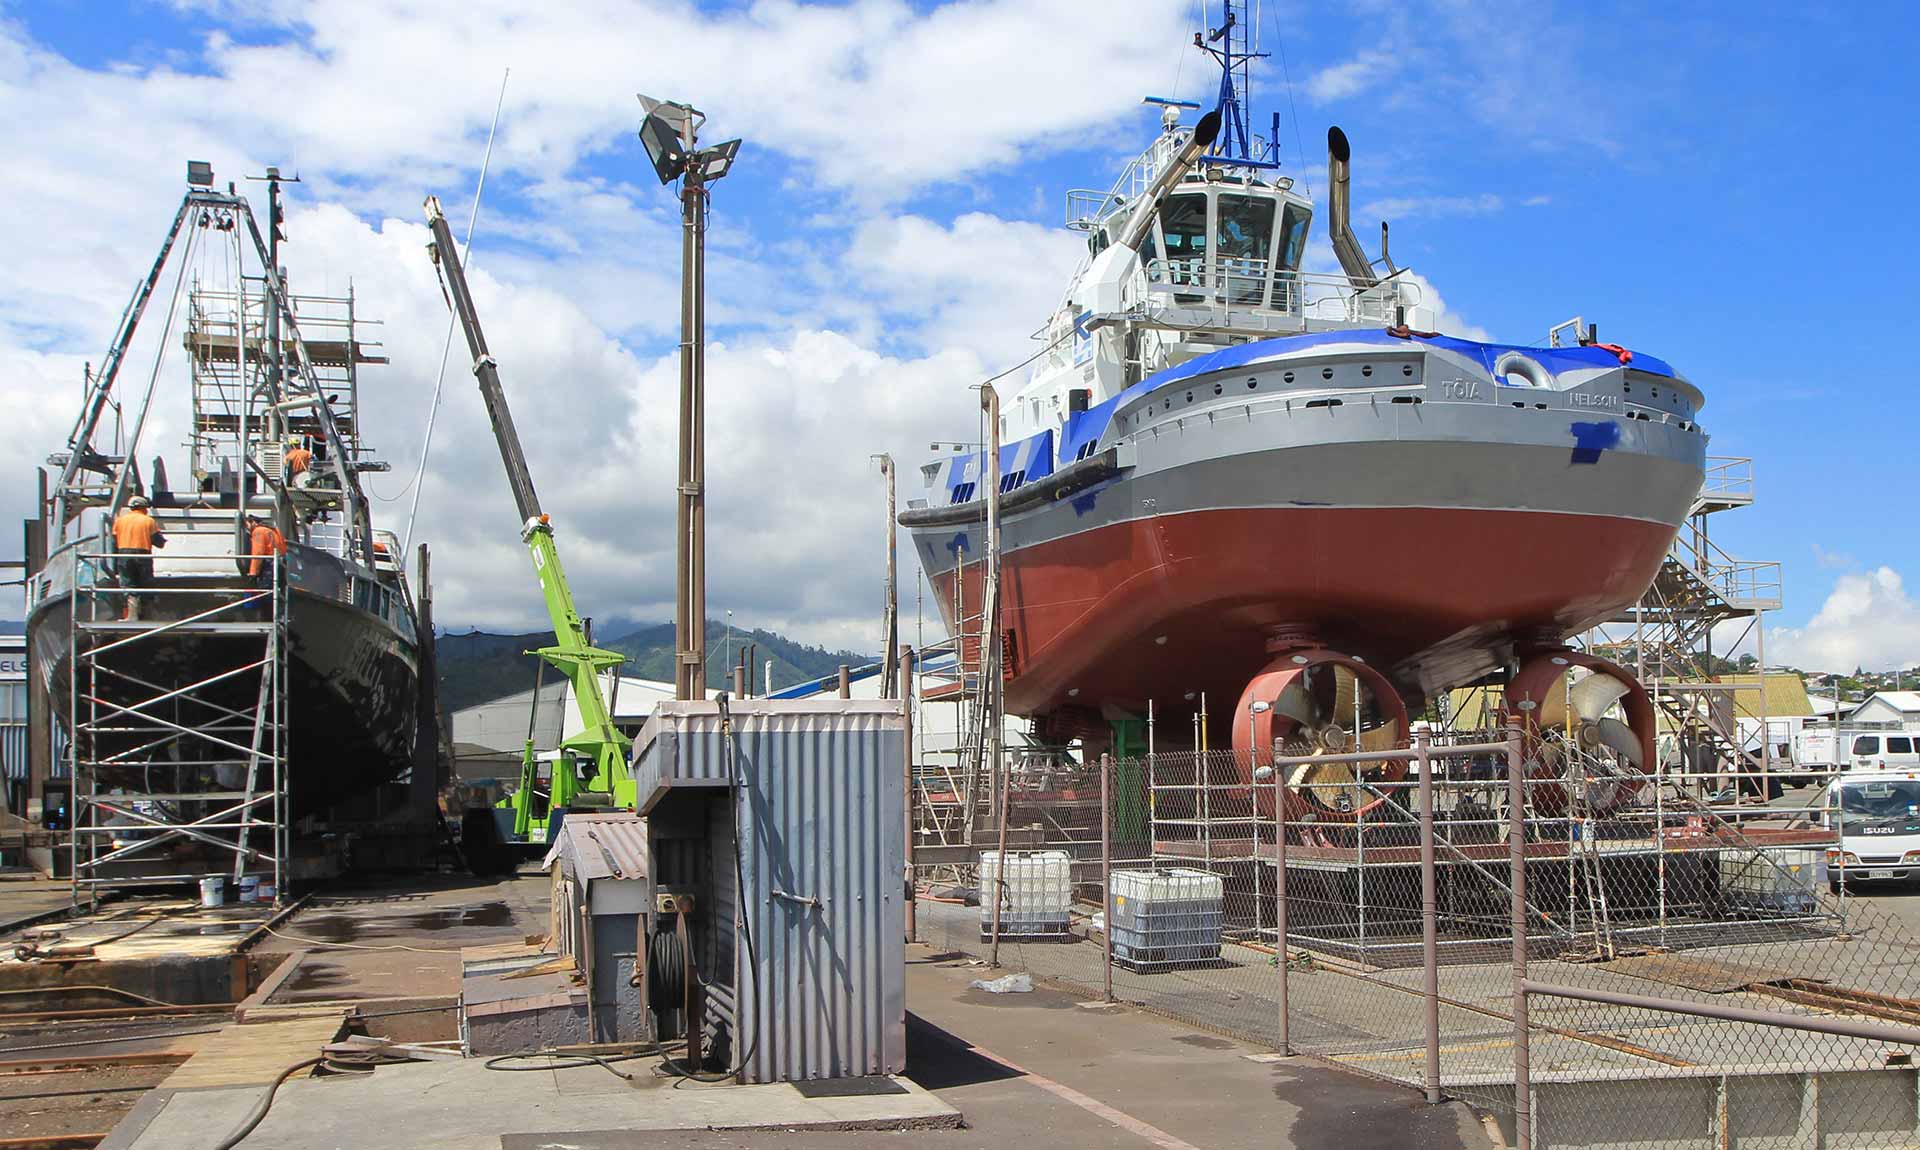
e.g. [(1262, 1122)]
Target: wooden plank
[(254, 1053)]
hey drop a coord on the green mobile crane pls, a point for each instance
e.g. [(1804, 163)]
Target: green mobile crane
[(591, 767)]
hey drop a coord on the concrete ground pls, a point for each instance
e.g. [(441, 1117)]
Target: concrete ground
[(1040, 1068)]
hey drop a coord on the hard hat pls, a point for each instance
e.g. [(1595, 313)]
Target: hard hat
[(292, 444), (137, 501)]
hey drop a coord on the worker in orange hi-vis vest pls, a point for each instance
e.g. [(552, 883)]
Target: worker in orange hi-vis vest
[(263, 540), (135, 534), (299, 464)]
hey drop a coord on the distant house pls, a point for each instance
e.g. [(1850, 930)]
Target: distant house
[(1787, 708), (1899, 708)]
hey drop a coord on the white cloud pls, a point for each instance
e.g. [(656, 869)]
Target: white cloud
[(1408, 207), (1868, 621), (1365, 70), (984, 283)]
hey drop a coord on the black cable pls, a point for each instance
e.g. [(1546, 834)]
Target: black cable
[(562, 1059), (746, 930), (260, 1111)]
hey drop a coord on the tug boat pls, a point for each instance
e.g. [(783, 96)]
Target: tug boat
[(1227, 477)]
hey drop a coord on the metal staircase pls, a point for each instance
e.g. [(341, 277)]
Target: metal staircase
[(1670, 645)]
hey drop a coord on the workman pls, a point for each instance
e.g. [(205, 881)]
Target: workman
[(299, 464), (135, 534), (263, 540)]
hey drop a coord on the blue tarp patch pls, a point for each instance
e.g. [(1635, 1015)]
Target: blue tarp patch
[(1083, 503), (958, 543), (1590, 439)]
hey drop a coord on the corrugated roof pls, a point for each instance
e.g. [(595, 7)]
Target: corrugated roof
[(601, 845), (1786, 695)]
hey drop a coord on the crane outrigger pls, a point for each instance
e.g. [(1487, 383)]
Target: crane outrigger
[(591, 768)]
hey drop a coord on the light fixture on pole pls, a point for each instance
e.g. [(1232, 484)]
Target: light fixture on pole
[(670, 134)]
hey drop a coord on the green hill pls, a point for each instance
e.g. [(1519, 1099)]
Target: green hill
[(479, 665)]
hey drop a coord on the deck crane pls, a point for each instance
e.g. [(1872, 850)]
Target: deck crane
[(591, 769)]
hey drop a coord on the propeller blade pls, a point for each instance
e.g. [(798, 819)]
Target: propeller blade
[(1552, 712), (1381, 737), (1617, 735), (1346, 690), (1595, 693), (1296, 702)]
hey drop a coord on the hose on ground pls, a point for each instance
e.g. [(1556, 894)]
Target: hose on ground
[(260, 1109)]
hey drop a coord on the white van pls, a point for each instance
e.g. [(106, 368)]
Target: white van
[(1881, 750), (1879, 821)]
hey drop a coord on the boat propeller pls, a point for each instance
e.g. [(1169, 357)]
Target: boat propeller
[(1581, 714), (1319, 703)]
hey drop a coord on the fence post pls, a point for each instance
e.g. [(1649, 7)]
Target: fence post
[(1517, 884), (1280, 898), (1429, 920), (1106, 874)]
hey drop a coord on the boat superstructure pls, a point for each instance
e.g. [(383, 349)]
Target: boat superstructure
[(1226, 475), (206, 706)]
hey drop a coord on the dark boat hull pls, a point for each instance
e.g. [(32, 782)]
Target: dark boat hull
[(352, 691)]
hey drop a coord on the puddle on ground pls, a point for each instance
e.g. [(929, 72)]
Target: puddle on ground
[(327, 926)]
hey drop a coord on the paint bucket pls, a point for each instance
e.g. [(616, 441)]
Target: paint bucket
[(249, 888), (213, 890), (266, 891)]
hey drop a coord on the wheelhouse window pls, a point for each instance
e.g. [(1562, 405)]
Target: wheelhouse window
[(1183, 224), (1241, 245), (1293, 236)]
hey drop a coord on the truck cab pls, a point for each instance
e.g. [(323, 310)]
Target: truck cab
[(1877, 814)]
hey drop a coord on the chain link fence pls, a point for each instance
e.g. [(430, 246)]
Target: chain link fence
[(1654, 971)]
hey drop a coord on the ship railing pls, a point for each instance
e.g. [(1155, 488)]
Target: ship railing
[(1238, 282), (1728, 480), (1753, 585)]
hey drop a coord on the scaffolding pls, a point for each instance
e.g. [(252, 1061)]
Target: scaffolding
[(235, 359), (1665, 871), (178, 765), (1668, 639)]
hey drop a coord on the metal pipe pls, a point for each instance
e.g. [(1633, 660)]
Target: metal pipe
[(890, 631), (1106, 875), (1454, 752), (1818, 1024), (1517, 916), (1429, 922), (1183, 160), (1280, 899), (846, 682), (1346, 245), (906, 711)]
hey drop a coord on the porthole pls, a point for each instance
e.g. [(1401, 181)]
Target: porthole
[(1288, 377), (1252, 383), (1217, 389), (1366, 369), (1406, 369), (1326, 373)]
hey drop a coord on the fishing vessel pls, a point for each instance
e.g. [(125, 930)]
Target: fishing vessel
[(206, 706), (1229, 478)]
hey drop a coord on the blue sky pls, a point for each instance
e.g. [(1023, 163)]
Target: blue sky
[(1725, 189)]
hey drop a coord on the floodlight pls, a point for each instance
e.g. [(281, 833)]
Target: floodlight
[(199, 173), (665, 133), (715, 161)]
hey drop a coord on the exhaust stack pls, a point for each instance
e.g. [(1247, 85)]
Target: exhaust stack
[(1176, 169), (1346, 245)]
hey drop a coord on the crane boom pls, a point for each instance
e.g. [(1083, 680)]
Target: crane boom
[(599, 741)]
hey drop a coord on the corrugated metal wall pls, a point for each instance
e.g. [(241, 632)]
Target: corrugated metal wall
[(821, 804)]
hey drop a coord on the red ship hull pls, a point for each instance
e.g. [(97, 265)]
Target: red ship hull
[(1167, 607)]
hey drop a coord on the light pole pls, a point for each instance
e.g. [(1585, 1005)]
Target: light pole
[(890, 623), (670, 133)]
